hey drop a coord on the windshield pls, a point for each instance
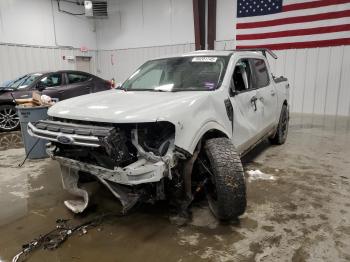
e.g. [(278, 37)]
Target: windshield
[(23, 81), (179, 74)]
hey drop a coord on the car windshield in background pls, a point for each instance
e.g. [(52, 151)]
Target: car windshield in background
[(24, 81), (195, 73)]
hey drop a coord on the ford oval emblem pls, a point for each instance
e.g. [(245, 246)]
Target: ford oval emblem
[(67, 140)]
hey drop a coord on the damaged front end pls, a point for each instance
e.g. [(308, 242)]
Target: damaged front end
[(131, 160)]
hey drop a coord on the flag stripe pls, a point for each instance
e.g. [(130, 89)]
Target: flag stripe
[(292, 20), (298, 32), (298, 45), (312, 11), (289, 39), (308, 5), (288, 2), (276, 28)]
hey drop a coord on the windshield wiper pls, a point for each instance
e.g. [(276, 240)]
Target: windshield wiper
[(150, 90), (158, 90)]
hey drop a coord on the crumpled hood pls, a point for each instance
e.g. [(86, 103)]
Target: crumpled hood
[(118, 106)]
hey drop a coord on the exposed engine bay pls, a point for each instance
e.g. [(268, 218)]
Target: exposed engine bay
[(131, 160), (116, 145)]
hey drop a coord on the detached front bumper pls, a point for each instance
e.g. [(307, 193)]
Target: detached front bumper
[(139, 172)]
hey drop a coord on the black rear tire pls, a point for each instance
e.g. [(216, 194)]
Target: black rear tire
[(9, 120), (227, 200), (282, 129)]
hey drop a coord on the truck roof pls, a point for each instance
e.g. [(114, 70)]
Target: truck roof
[(210, 53)]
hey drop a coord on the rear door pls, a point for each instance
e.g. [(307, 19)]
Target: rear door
[(54, 85), (266, 94), (78, 83), (247, 114)]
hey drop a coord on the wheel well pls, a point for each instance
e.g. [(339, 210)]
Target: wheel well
[(8, 103), (213, 133)]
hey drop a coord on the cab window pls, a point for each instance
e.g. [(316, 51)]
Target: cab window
[(151, 79), (261, 75), (76, 78), (52, 80), (242, 76)]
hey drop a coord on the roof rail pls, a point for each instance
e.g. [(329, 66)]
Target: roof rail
[(262, 50)]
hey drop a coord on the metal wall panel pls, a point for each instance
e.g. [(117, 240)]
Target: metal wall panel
[(16, 60), (319, 78), (119, 64)]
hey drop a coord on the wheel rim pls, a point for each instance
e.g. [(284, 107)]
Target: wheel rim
[(210, 187), (8, 118)]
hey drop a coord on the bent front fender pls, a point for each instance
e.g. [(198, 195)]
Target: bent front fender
[(188, 141)]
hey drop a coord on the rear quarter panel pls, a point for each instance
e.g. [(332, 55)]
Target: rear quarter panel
[(282, 89)]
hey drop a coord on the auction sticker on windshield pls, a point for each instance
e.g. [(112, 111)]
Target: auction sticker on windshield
[(205, 59)]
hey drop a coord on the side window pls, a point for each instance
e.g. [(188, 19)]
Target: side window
[(242, 76), (261, 75), (76, 78), (52, 80), (149, 80)]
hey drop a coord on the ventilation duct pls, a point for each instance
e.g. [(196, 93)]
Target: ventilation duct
[(96, 9)]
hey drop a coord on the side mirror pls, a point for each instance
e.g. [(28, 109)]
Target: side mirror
[(40, 86)]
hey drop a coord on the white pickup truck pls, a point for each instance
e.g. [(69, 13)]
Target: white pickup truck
[(178, 125)]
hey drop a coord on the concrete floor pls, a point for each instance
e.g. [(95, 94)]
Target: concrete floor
[(303, 214)]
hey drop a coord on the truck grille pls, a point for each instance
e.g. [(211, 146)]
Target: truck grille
[(67, 133)]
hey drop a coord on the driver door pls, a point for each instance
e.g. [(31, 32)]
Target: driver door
[(247, 114)]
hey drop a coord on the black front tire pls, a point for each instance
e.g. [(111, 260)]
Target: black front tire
[(227, 199), (9, 120), (282, 129)]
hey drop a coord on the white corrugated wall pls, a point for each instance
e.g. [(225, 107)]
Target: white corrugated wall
[(319, 78), (16, 60), (119, 64)]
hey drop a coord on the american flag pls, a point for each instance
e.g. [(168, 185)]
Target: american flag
[(285, 24)]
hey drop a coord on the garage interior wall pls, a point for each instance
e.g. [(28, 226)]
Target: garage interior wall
[(34, 36), (17, 60), (138, 30)]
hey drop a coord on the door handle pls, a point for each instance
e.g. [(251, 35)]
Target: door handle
[(273, 93), (253, 101)]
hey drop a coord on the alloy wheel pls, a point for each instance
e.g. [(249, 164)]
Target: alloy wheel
[(9, 119)]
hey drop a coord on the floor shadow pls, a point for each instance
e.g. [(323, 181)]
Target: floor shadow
[(254, 153)]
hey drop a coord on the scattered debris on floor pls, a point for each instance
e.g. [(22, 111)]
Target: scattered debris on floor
[(258, 175), (60, 234)]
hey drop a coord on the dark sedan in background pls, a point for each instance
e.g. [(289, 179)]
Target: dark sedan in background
[(58, 85)]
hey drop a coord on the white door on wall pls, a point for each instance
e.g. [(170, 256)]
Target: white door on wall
[(83, 63)]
